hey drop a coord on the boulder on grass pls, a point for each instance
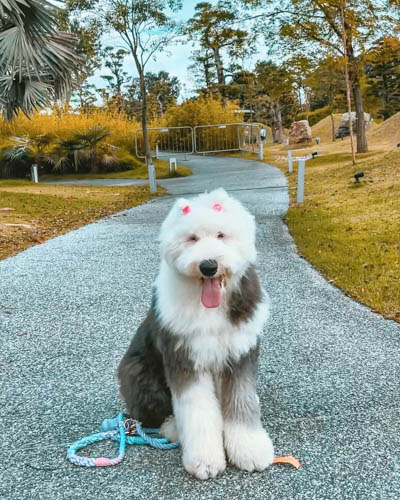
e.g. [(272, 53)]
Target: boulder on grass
[(344, 124), (300, 132)]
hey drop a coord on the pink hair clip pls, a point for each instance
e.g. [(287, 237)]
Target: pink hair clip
[(186, 210), (217, 207)]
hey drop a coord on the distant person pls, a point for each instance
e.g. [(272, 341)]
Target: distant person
[(317, 140), (263, 134)]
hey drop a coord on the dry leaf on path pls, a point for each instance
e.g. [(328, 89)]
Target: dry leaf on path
[(27, 226)]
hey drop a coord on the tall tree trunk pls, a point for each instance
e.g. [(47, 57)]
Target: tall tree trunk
[(276, 122), (160, 103), (362, 144), (347, 49), (144, 110), (333, 127), (219, 67), (220, 73)]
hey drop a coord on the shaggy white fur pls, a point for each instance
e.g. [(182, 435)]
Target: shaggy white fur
[(212, 227)]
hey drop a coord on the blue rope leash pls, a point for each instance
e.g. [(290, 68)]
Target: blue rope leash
[(124, 430)]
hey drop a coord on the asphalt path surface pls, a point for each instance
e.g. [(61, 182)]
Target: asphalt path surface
[(328, 375)]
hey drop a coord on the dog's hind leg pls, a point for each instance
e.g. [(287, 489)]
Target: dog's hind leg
[(247, 444), (168, 429), (142, 379)]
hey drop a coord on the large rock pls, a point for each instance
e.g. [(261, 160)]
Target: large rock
[(300, 132), (344, 125)]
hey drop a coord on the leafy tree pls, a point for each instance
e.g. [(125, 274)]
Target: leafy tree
[(146, 30), (87, 32), (276, 85), (162, 91), (327, 87), (300, 68), (382, 70), (242, 88), (86, 97), (203, 69), (344, 27), (215, 28), (36, 60), (164, 87), (113, 95)]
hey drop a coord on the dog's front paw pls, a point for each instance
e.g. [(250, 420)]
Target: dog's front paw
[(205, 465), (248, 448)]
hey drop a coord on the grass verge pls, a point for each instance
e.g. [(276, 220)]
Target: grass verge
[(32, 213), (161, 166), (350, 232)]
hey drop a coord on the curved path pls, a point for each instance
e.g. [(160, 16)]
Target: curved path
[(328, 379)]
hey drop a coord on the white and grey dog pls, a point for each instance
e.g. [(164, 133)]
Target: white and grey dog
[(192, 365)]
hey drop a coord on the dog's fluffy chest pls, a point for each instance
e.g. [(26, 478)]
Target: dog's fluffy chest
[(209, 337)]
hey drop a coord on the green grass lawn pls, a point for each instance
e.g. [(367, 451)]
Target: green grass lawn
[(351, 232), (162, 172), (32, 213)]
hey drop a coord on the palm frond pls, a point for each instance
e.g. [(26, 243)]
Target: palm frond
[(16, 153), (36, 61), (93, 135)]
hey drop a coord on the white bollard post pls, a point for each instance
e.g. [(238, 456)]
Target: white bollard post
[(290, 161), (34, 173), (157, 151), (172, 163), (261, 150), (300, 180), (152, 178)]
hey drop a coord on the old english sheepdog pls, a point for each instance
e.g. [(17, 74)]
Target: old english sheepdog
[(191, 367)]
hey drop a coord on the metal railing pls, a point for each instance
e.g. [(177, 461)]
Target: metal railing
[(217, 138), (166, 141), (202, 139)]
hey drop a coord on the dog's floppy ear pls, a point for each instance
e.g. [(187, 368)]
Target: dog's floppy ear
[(219, 199), (182, 205)]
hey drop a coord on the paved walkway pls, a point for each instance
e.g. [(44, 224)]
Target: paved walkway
[(329, 373)]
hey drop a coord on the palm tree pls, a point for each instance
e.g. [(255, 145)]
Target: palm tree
[(36, 60), (67, 153), (96, 152), (34, 149), (86, 149)]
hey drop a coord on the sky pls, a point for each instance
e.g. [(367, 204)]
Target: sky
[(175, 61)]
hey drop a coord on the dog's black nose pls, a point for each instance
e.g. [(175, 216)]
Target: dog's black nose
[(208, 267)]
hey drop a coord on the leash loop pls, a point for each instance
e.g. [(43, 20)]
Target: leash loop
[(126, 431)]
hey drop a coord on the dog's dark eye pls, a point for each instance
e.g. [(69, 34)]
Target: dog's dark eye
[(193, 237), (221, 236)]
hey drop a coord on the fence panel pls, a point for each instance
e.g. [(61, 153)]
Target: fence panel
[(249, 134), (227, 137), (166, 141), (217, 138)]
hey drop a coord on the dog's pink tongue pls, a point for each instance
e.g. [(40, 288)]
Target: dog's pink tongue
[(211, 293)]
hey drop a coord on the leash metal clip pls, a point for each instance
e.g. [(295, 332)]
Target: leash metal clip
[(130, 426)]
